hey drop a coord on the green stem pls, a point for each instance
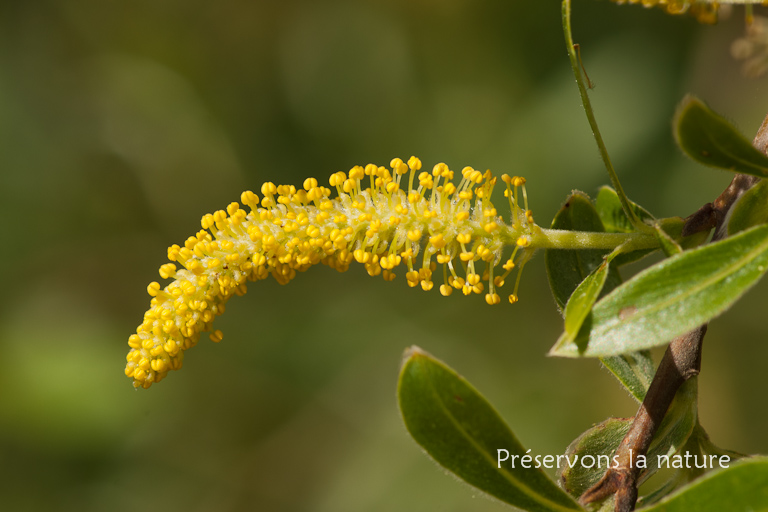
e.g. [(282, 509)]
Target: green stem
[(541, 238), (628, 211), (562, 239)]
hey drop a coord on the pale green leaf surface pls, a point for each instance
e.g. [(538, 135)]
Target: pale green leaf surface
[(672, 297), (743, 487), (460, 430)]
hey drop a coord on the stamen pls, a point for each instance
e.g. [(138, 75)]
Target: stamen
[(289, 230)]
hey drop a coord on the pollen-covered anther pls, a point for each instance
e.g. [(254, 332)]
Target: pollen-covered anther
[(414, 235), (414, 163), (413, 278), (153, 289), (378, 219)]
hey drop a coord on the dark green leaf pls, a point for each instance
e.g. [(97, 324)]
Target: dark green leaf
[(672, 297), (711, 140), (458, 428), (568, 269), (751, 209), (603, 439), (743, 487)]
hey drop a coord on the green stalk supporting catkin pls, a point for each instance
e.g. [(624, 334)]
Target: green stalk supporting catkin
[(432, 224)]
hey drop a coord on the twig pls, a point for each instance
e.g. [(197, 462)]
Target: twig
[(681, 361)]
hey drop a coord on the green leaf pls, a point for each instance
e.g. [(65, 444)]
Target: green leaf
[(668, 244), (584, 297), (673, 227), (568, 269), (458, 428), (743, 487), (614, 220), (603, 440), (751, 209), (710, 139), (609, 209), (672, 297), (635, 371), (676, 427)]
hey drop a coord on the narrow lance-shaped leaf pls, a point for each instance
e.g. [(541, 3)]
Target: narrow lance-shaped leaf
[(672, 297), (739, 488), (584, 297), (568, 269), (634, 370), (458, 428), (710, 139)]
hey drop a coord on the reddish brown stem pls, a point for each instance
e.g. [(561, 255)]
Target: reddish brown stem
[(681, 361)]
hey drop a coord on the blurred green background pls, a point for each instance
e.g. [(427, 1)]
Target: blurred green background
[(122, 123)]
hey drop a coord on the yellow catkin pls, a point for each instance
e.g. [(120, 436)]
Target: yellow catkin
[(704, 12), (384, 227)]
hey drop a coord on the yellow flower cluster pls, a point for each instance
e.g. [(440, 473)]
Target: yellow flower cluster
[(288, 230), (705, 12)]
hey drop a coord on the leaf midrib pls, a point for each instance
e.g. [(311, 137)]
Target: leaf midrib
[(527, 490), (739, 264), (747, 163)]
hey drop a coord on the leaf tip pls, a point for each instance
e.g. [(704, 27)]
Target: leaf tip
[(688, 101), (412, 352)]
